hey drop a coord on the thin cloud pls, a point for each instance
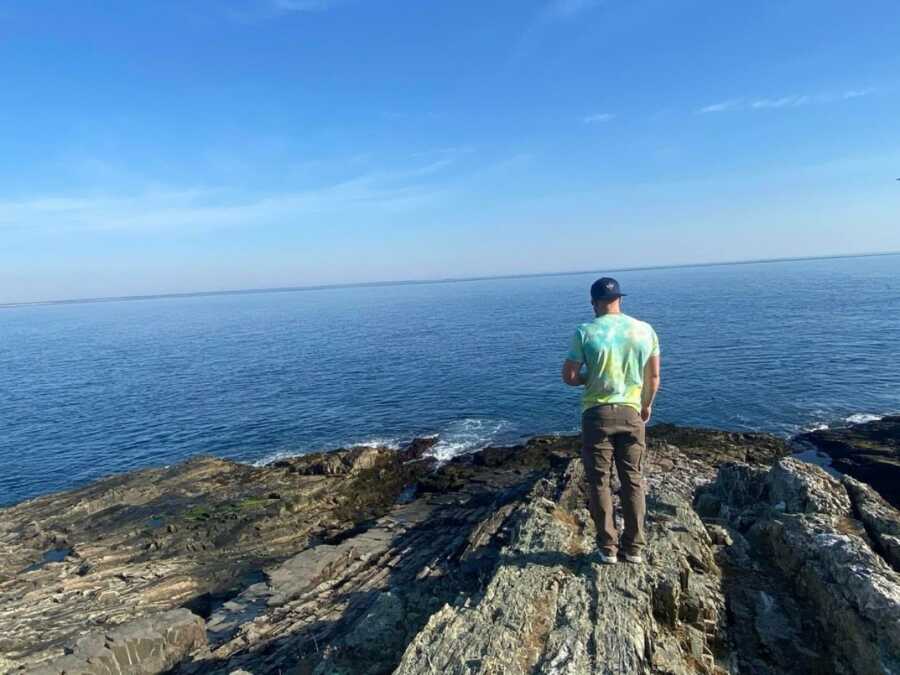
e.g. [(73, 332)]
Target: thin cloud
[(783, 102), (720, 107), (216, 208), (794, 101), (598, 118)]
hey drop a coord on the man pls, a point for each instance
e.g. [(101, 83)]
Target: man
[(621, 359)]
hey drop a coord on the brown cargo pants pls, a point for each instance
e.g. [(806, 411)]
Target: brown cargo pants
[(615, 432)]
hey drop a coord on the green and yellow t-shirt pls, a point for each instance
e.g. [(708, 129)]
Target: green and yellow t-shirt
[(614, 348)]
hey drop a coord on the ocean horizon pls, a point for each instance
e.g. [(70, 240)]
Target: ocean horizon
[(96, 388), (444, 280)]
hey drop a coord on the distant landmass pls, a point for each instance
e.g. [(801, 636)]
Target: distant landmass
[(446, 280)]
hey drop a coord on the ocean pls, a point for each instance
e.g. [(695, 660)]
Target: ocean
[(90, 389)]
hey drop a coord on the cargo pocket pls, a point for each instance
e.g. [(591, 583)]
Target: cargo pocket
[(639, 429)]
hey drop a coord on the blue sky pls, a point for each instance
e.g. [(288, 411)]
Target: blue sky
[(173, 146)]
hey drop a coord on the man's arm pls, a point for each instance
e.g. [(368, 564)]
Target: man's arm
[(571, 373), (651, 386)]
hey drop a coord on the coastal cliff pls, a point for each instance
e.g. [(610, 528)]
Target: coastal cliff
[(372, 560)]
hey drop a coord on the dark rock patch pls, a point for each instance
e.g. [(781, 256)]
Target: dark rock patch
[(870, 452)]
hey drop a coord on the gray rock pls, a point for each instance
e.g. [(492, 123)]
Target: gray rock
[(547, 610), (150, 645), (824, 557), (772, 623), (881, 520), (488, 565), (797, 489)]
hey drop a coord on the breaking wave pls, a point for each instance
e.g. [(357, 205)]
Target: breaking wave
[(468, 435)]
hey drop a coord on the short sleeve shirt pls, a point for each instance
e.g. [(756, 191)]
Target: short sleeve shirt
[(615, 349)]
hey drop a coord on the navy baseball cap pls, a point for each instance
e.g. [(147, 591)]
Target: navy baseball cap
[(606, 288)]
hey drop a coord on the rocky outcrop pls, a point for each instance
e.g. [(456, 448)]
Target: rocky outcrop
[(870, 452), (150, 645), (488, 533), (373, 561), (191, 535), (550, 607), (825, 600), (878, 517)]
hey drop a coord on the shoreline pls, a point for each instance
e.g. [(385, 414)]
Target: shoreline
[(801, 448), (368, 560)]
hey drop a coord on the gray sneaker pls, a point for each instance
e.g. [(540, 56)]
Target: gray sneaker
[(636, 559), (607, 559)]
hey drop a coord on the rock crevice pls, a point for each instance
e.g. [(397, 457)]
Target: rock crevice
[(835, 593)]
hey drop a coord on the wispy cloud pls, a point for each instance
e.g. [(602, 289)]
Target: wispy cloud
[(205, 209), (597, 118), (793, 101), (721, 107), (856, 93), (783, 102)]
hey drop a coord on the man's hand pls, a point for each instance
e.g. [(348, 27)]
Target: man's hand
[(571, 373), (646, 411)]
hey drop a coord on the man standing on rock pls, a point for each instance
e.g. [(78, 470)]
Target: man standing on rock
[(620, 356)]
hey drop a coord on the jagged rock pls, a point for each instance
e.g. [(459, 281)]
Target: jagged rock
[(336, 463), (150, 645), (793, 487), (416, 449), (881, 520), (550, 608), (803, 531), (371, 560), (870, 452), (190, 535)]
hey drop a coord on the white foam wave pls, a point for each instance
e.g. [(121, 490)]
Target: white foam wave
[(815, 427), (378, 442), (862, 418), (275, 457), (465, 436), (855, 418)]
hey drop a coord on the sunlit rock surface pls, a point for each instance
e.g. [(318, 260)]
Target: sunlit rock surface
[(373, 560)]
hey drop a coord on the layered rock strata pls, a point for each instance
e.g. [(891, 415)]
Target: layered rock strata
[(371, 561)]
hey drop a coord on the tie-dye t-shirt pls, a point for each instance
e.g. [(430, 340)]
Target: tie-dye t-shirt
[(614, 348)]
